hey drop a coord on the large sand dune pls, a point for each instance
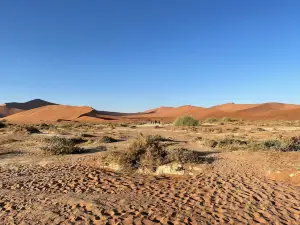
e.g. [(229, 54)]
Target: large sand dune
[(50, 113), (242, 111), (37, 110), (6, 111)]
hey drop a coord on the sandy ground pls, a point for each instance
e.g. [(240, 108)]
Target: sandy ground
[(233, 188)]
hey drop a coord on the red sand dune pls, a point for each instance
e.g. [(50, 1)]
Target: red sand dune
[(6, 111), (50, 113), (231, 107), (171, 112), (242, 111), (54, 113)]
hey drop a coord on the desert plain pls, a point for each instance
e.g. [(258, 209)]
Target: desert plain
[(76, 165)]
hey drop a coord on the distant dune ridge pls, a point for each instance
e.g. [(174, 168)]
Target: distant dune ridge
[(11, 108), (38, 111)]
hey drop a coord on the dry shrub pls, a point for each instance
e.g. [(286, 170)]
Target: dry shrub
[(211, 120), (182, 155), (228, 119), (60, 145), (45, 126), (107, 139), (147, 153), (186, 121), (291, 144), (211, 130), (26, 130), (226, 143), (284, 145), (143, 152)]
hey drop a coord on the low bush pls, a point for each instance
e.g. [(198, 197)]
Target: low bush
[(226, 143), (283, 144), (291, 144), (186, 121), (147, 153), (108, 139), (26, 130), (60, 146), (272, 144), (143, 152), (228, 119), (211, 120)]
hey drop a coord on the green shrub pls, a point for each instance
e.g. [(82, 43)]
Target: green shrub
[(60, 145), (211, 120), (186, 121)]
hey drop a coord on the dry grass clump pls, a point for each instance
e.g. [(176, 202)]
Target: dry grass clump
[(284, 144), (211, 130), (227, 143), (26, 130), (143, 152), (211, 120), (186, 121), (228, 120), (45, 126), (182, 155), (60, 145), (147, 153), (107, 139)]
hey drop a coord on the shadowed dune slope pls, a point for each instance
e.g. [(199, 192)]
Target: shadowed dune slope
[(51, 113), (6, 111), (36, 103)]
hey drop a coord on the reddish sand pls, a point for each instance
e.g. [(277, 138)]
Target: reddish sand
[(54, 113), (6, 111), (51, 113), (243, 111), (231, 107)]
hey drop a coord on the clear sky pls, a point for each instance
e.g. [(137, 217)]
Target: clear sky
[(132, 55)]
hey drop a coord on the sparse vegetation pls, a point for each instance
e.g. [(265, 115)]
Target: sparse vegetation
[(186, 121), (228, 119), (146, 152), (211, 120), (143, 152), (26, 130), (60, 146), (108, 139)]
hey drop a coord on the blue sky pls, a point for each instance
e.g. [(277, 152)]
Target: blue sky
[(135, 55)]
